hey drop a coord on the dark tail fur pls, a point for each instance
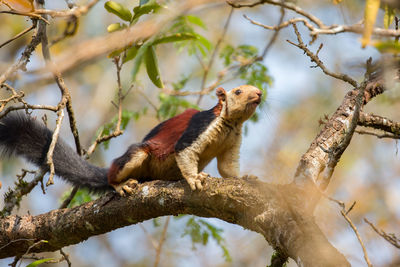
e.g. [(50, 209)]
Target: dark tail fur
[(24, 136)]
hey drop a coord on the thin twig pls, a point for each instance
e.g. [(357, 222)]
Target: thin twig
[(14, 196), (69, 198), (149, 237), (32, 246), (60, 116), (391, 238), (213, 55), (284, 4), (77, 11), (24, 59), (32, 15), (344, 213), (27, 106), (70, 30), (19, 35), (117, 130), (378, 135), (161, 242), (66, 257), (274, 36), (358, 237), (315, 58), (309, 19)]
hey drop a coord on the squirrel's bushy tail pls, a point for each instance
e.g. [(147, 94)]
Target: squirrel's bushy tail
[(24, 136)]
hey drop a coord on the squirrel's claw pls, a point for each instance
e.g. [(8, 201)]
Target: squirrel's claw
[(197, 183), (126, 188)]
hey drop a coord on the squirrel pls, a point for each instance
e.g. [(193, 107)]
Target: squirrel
[(178, 148)]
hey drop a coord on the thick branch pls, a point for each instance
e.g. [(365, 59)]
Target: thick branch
[(332, 137), (256, 206)]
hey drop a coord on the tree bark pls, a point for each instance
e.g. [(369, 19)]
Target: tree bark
[(271, 210)]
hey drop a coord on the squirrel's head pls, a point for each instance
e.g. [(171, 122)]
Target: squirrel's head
[(239, 103)]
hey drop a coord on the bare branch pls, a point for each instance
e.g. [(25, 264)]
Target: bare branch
[(13, 197), (75, 12), (315, 163), (344, 213), (117, 130), (391, 238), (358, 237), (378, 135), (320, 27), (380, 123), (19, 35), (161, 242), (315, 58), (24, 59), (69, 198), (53, 145), (284, 4)]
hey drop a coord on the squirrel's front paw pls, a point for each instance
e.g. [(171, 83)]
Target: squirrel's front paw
[(126, 188), (196, 182)]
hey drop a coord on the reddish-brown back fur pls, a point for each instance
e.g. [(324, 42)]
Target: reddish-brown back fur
[(112, 172), (163, 143)]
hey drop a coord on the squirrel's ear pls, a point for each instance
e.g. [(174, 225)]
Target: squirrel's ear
[(221, 93)]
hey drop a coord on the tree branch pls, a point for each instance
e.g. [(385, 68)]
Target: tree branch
[(333, 136), (380, 123), (271, 210)]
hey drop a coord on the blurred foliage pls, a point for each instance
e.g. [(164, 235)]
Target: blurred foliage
[(81, 196), (200, 231), (252, 73), (170, 105), (181, 31)]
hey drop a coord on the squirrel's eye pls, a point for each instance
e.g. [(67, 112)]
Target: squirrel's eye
[(238, 92)]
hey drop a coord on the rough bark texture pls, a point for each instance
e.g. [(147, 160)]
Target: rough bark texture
[(315, 166), (271, 210)]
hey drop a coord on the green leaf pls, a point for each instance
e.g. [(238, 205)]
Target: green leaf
[(204, 41), (119, 10), (181, 83), (388, 47), (138, 61), (175, 38), (170, 105), (131, 53), (196, 20), (152, 67), (156, 222), (115, 27), (148, 7), (388, 17), (38, 262), (200, 231), (227, 54), (115, 53)]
